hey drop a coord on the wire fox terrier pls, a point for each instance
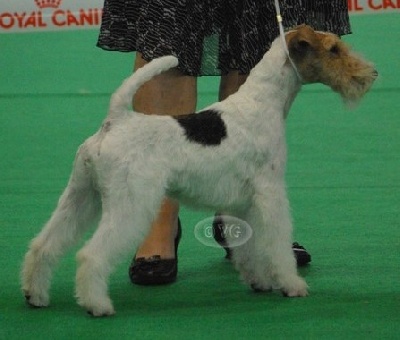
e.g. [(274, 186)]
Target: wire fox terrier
[(228, 157)]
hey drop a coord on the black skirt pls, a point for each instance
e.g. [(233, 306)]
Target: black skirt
[(211, 37)]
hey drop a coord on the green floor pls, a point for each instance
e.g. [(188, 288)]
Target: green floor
[(343, 181)]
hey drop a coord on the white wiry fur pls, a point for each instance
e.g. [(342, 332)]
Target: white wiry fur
[(135, 160)]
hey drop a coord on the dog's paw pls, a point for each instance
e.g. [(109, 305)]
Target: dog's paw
[(257, 288), (295, 293), (36, 300), (95, 312), (98, 308), (296, 288)]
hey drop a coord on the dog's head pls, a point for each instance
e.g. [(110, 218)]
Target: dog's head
[(322, 57)]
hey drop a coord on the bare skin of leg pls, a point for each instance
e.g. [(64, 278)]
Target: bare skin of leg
[(230, 83), (170, 93)]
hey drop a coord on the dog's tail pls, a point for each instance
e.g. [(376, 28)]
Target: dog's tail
[(122, 98)]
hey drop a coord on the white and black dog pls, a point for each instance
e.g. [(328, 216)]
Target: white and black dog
[(229, 157)]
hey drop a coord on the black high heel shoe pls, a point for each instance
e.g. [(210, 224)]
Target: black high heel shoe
[(154, 270), (302, 256)]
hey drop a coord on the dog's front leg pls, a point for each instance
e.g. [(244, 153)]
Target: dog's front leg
[(273, 256), (244, 256), (266, 261)]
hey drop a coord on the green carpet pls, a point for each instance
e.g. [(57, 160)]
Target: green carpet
[(343, 180)]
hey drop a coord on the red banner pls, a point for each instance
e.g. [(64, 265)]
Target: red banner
[(373, 6), (48, 15)]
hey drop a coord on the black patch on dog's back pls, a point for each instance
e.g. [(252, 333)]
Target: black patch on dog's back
[(205, 128)]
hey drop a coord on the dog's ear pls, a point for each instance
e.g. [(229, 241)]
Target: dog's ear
[(299, 47), (300, 41)]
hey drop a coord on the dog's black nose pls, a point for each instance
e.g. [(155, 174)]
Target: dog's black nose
[(375, 73)]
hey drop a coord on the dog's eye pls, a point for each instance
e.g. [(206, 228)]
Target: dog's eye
[(334, 50)]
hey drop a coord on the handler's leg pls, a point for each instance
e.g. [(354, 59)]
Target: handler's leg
[(170, 93)]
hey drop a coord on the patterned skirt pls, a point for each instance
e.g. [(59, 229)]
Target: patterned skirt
[(211, 37)]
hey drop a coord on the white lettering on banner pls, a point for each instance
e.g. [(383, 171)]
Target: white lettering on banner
[(47, 15), (373, 6), (50, 15)]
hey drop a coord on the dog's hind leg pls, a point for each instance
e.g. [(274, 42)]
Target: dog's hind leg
[(77, 207), (126, 219)]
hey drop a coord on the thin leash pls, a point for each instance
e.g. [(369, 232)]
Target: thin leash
[(282, 34)]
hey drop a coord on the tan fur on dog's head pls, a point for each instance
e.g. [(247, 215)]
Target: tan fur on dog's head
[(323, 57)]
